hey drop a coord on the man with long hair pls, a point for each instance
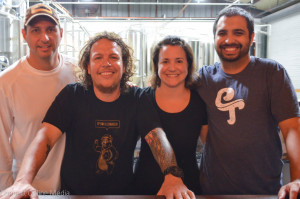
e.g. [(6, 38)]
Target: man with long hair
[(102, 118)]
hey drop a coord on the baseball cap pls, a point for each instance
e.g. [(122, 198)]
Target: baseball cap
[(40, 10)]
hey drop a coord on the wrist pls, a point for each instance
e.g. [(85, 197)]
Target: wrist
[(174, 171), (22, 180)]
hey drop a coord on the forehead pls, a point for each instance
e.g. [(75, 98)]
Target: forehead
[(232, 22), (170, 50), (105, 46)]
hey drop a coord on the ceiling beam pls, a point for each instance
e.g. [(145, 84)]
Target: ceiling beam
[(151, 3)]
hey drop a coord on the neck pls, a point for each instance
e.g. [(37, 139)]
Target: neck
[(170, 92), (172, 100), (45, 64), (109, 96), (235, 66)]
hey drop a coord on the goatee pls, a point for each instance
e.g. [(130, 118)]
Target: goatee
[(107, 90)]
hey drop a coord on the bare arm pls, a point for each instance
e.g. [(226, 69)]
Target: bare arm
[(34, 158), (161, 148), (290, 129), (203, 133), (163, 153), (6, 124)]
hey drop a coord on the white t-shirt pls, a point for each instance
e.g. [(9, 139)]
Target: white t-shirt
[(25, 96)]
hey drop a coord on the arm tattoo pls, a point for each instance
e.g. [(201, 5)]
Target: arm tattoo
[(48, 150), (161, 148)]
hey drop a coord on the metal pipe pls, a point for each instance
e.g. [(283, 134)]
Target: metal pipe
[(153, 3), (288, 3), (9, 15), (113, 19), (281, 13), (68, 16), (18, 5), (234, 3)]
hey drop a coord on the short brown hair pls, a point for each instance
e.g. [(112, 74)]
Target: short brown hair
[(192, 81)]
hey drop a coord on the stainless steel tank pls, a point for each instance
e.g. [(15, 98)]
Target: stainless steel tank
[(136, 39), (9, 39), (204, 53)]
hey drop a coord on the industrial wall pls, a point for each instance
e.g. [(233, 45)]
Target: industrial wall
[(284, 43)]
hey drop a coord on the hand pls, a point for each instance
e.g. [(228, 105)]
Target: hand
[(291, 189), (131, 84), (19, 190), (173, 187)]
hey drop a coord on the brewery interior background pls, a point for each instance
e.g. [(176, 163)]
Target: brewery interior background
[(142, 23)]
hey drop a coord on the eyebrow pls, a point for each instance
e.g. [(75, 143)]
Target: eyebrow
[(238, 29), (97, 53)]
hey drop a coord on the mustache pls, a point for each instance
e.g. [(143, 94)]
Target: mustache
[(231, 46)]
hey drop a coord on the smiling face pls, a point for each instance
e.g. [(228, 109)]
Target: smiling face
[(232, 41), (172, 66), (43, 38), (106, 66)]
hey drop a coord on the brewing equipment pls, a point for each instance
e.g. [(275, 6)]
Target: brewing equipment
[(204, 53), (9, 37), (136, 39)]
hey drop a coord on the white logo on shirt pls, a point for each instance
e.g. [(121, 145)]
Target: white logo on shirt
[(230, 106)]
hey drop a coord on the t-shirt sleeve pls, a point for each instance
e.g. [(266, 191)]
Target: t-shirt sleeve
[(147, 116), (284, 103), (60, 113)]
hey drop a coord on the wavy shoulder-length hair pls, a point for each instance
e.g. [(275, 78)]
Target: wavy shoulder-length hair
[(192, 80), (84, 59)]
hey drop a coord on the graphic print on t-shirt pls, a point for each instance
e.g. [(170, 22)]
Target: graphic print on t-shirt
[(107, 124), (230, 106), (108, 154)]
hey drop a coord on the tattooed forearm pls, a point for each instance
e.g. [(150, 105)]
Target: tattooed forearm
[(161, 148), (48, 150)]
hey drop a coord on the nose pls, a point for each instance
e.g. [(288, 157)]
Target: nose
[(171, 66), (229, 38), (44, 37), (106, 63)]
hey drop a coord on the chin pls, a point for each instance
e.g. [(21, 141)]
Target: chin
[(229, 59), (107, 89), (173, 85)]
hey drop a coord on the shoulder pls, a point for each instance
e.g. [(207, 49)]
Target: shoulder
[(267, 64), (137, 95), (209, 70), (148, 90), (73, 90), (71, 64), (134, 91), (195, 97), (69, 61), (11, 74)]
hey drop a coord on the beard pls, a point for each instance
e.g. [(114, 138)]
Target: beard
[(107, 90), (243, 52)]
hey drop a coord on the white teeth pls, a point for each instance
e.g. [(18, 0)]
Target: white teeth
[(172, 75), (106, 73), (230, 49)]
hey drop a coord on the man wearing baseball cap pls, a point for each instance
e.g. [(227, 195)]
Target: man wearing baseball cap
[(27, 89), (40, 10)]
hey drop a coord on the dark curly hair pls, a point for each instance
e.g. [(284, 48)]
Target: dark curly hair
[(84, 58), (192, 80)]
